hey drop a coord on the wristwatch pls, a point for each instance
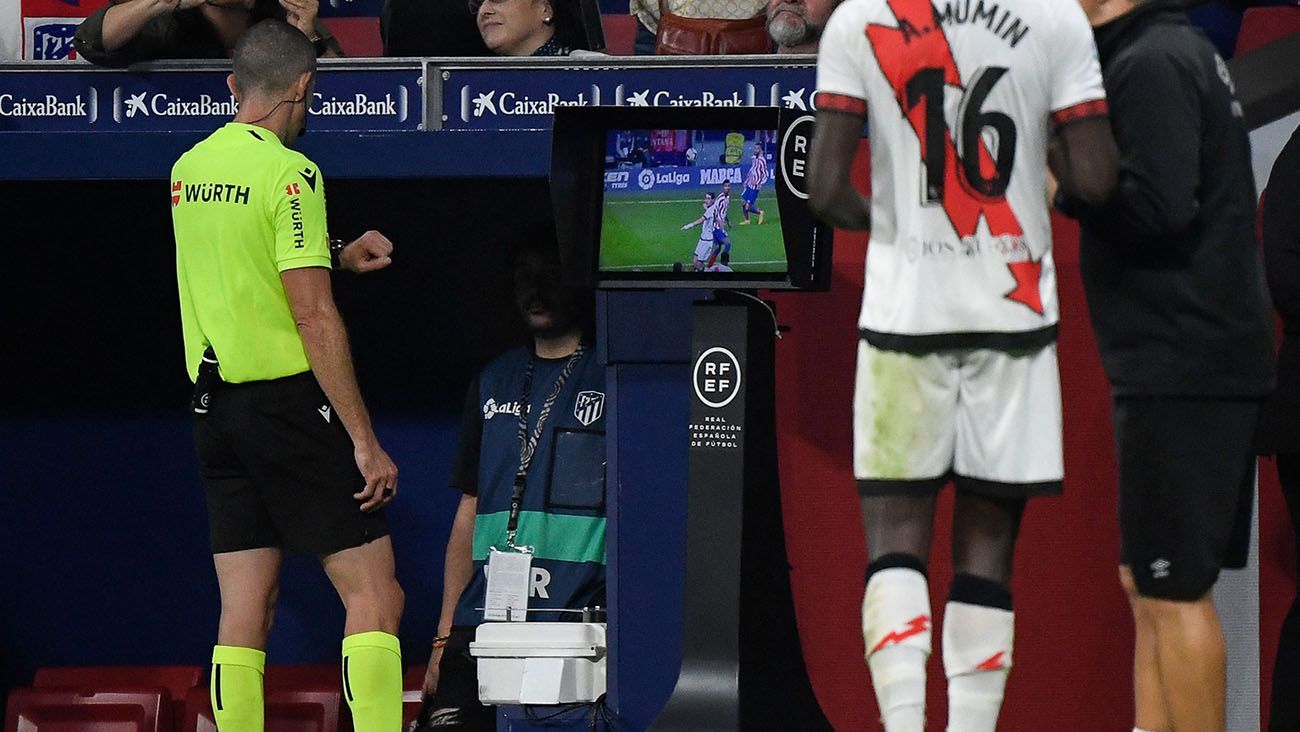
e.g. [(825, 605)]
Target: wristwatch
[(336, 252)]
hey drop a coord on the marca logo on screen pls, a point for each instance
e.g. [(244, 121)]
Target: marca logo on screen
[(50, 39), (617, 180), (395, 104), (474, 105), (625, 96), (128, 105), (51, 105), (716, 176)]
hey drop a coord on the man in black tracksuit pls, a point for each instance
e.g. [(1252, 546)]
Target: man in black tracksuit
[(1172, 272)]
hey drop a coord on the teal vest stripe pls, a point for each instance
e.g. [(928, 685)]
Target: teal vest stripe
[(558, 537)]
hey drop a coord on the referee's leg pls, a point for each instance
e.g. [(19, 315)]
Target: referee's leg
[(248, 581), (365, 579)]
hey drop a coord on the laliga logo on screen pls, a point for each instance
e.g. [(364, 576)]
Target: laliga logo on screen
[(794, 155), (716, 377), (646, 179)]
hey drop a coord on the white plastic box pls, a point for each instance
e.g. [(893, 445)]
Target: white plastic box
[(540, 663)]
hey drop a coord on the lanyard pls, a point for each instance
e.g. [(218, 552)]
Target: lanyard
[(528, 442)]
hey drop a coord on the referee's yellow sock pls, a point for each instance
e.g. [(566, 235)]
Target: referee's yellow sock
[(372, 681), (237, 688)]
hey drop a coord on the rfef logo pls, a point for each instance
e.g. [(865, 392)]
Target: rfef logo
[(716, 377), (794, 155)]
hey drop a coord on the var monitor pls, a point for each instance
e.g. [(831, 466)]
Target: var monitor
[(673, 197)]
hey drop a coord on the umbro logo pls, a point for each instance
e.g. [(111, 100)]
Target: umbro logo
[(325, 412), (1160, 568), (309, 175)]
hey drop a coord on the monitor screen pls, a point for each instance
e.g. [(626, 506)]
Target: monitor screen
[(686, 201), (655, 197)]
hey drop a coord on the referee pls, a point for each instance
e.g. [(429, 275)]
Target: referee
[(285, 445)]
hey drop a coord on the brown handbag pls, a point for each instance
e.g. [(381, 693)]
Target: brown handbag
[(679, 35)]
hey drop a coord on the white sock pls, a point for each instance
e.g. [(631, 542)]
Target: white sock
[(896, 628), (977, 644)]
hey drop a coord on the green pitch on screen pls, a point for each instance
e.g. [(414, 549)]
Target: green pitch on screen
[(642, 232)]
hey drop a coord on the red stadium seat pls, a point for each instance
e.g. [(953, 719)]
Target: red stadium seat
[(1261, 26), (177, 680), (359, 37), (620, 33), (298, 699), (412, 693), (65, 710)]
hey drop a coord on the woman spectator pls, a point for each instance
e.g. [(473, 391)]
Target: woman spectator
[(129, 31), (530, 27)]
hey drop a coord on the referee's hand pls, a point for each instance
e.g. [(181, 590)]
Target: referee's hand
[(370, 252), (380, 474)]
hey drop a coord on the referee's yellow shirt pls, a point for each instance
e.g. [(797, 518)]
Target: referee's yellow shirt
[(244, 209)]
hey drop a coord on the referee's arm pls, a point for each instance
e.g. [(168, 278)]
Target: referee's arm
[(326, 342)]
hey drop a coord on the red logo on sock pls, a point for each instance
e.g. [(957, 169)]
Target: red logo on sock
[(915, 626), (992, 663)]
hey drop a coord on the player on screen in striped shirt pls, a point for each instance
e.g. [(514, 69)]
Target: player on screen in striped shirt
[(704, 247), (721, 242), (758, 175)]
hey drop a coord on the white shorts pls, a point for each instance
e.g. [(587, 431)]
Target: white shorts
[(703, 249), (989, 419)]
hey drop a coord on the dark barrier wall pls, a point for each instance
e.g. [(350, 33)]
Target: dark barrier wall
[(104, 539)]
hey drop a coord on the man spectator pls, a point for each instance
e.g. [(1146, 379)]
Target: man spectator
[(957, 375), (125, 32), (285, 445), (545, 401), (1171, 269), (796, 25)]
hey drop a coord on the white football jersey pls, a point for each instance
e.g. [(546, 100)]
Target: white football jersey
[(960, 98)]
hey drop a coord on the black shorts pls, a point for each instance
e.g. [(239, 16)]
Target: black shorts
[(1186, 490), (455, 706), (279, 470)]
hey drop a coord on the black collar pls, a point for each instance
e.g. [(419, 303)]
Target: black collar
[(1115, 34)]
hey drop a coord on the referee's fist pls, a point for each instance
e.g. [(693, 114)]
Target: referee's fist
[(370, 252)]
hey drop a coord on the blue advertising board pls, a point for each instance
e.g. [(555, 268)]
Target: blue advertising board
[(514, 99), (180, 101)]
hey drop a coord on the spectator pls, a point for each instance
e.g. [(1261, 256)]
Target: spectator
[(130, 31), (1172, 272), (429, 28), (796, 25), (1280, 435), (560, 489), (740, 13), (530, 27)]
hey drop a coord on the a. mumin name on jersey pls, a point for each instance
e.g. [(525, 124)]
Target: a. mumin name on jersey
[(632, 97), (360, 104), (49, 105), (1001, 21), (508, 103), (159, 104)]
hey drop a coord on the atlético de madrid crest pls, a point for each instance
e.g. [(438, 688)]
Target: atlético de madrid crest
[(588, 407)]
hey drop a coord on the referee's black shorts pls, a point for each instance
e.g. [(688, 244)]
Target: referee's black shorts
[(279, 470), (1186, 490)]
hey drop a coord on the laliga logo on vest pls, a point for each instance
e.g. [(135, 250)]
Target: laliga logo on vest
[(717, 377), (794, 155)]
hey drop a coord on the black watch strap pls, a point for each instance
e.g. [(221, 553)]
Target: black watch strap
[(336, 252)]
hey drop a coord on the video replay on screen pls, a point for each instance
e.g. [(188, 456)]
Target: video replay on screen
[(691, 201)]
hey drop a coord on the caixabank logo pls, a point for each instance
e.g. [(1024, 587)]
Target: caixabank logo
[(394, 105), (798, 98), (626, 95), (75, 106), (134, 106), (477, 104)]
